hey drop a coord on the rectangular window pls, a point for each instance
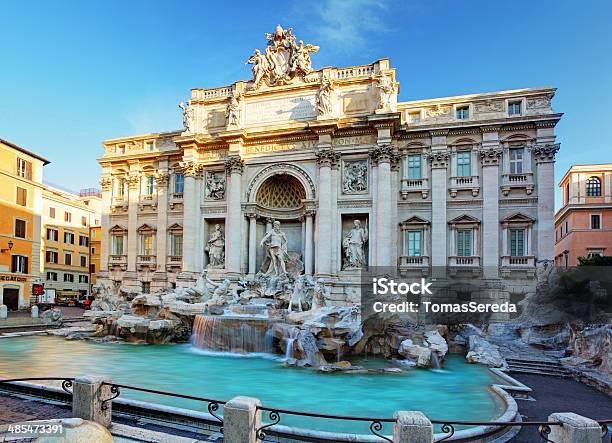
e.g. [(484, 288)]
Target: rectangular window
[(516, 161), (595, 221), (463, 112), (83, 279), (69, 238), (414, 245), (52, 276), (67, 217), (84, 221), (593, 252), (414, 166), (22, 196), (120, 187), (51, 212), (24, 168), (93, 251), (514, 108), (83, 261), (20, 228), (51, 257), (67, 258), (464, 164), (464, 242), (179, 183), (149, 145), (83, 241), (146, 287), (92, 268), (117, 244), (414, 117), (149, 185), (517, 242), (52, 234), (19, 264), (69, 278), (146, 244), (94, 234), (176, 244)]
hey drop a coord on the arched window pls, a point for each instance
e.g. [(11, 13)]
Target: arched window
[(593, 187)]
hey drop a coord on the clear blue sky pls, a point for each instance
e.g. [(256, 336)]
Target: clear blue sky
[(73, 73)]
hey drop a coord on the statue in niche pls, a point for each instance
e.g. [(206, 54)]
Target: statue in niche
[(354, 247), (187, 116), (275, 243), (233, 111), (385, 91), (216, 248), (215, 186), (355, 177), (324, 99)]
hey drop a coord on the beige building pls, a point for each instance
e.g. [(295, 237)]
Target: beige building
[(67, 221), (462, 185)]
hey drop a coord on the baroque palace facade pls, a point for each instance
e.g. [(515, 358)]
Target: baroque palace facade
[(355, 178)]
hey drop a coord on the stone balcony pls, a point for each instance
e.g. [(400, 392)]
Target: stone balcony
[(176, 200), (119, 204), (174, 262), (460, 264), (147, 202), (517, 181), (414, 263), (524, 263), (117, 260), (409, 185), (148, 261), (469, 183)]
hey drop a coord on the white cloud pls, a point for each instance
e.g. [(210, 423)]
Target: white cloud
[(345, 24)]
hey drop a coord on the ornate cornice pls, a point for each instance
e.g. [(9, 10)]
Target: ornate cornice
[(492, 128), (234, 164), (439, 159), (328, 157), (490, 157), (439, 132), (545, 153)]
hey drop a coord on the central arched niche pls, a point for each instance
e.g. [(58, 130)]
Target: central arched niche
[(281, 197)]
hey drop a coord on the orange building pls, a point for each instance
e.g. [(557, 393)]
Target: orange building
[(583, 225), (21, 189)]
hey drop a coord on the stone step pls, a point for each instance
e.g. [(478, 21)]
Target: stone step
[(536, 365), (535, 372), (538, 370), (534, 362)]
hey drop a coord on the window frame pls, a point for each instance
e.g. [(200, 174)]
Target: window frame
[(411, 250), (460, 109), (513, 250), (595, 216), (467, 234), (25, 228), (464, 154), (593, 190), (514, 162), (24, 195)]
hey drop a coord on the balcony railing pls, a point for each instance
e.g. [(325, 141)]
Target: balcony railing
[(470, 183), (518, 261), (468, 262), (177, 196), (409, 185), (145, 259), (517, 181), (118, 258)]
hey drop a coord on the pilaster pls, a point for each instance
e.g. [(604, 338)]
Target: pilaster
[(490, 155), (234, 166), (544, 155), (326, 158), (161, 181)]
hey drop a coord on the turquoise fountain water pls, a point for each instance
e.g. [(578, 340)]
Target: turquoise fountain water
[(460, 391)]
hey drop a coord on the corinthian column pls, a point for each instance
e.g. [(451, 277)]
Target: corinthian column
[(191, 205), (161, 182), (545, 161), (382, 156), (106, 182), (439, 252), (489, 158), (234, 166), (133, 196), (308, 243), (323, 249), (252, 243)]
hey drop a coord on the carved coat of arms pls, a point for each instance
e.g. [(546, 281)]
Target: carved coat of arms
[(282, 60)]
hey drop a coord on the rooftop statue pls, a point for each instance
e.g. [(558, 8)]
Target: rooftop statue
[(283, 59)]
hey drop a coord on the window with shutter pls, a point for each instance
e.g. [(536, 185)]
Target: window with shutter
[(20, 228)]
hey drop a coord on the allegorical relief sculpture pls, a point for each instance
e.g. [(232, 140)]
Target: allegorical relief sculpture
[(214, 186), (354, 247), (216, 248), (355, 177), (233, 111), (187, 116), (283, 59), (275, 243), (324, 98), (386, 89)]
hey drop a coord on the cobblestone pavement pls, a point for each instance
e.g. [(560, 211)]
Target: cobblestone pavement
[(67, 311), (554, 394)]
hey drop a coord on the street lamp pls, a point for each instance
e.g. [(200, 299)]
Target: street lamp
[(10, 246)]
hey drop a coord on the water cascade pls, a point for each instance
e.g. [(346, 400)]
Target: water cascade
[(232, 334), (293, 335)]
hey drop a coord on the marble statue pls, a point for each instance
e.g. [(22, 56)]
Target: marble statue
[(320, 295), (283, 59), (324, 98), (216, 248), (215, 186), (385, 91), (354, 246), (300, 290), (233, 111), (355, 177), (275, 243), (187, 116)]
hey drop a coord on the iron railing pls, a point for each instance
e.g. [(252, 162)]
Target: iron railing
[(447, 427)]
